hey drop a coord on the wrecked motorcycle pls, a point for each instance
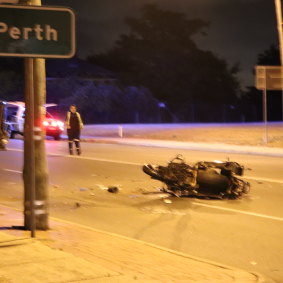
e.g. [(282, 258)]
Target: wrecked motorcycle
[(213, 179)]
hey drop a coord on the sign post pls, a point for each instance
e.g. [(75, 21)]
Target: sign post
[(268, 78), (35, 33), (264, 109), (278, 10), (29, 167)]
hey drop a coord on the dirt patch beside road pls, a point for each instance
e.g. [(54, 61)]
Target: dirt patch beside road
[(239, 134)]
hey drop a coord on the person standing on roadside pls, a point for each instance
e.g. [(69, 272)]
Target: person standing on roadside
[(74, 125)]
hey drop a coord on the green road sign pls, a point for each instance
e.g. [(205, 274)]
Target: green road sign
[(37, 31)]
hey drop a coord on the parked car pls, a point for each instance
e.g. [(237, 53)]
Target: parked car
[(53, 127), (15, 118)]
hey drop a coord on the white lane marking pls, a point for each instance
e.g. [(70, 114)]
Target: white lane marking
[(13, 171), (115, 161), (264, 179), (15, 149), (97, 159), (87, 158), (240, 211)]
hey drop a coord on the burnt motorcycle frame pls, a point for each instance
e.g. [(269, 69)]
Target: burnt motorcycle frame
[(213, 179)]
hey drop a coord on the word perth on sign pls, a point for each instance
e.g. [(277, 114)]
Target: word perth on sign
[(37, 31), (26, 33)]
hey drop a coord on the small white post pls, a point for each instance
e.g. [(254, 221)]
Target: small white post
[(120, 131)]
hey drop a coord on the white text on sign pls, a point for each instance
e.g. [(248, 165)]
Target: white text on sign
[(40, 33)]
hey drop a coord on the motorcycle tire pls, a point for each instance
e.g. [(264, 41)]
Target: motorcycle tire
[(212, 183)]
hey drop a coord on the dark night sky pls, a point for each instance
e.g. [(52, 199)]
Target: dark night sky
[(239, 29)]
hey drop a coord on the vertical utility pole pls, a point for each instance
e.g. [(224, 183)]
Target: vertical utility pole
[(35, 172), (29, 159), (278, 9), (264, 108)]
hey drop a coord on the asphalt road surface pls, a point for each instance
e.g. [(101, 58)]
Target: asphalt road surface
[(245, 233)]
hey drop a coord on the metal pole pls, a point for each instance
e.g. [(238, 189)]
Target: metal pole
[(30, 136), (278, 9), (264, 109), (35, 171), (265, 116)]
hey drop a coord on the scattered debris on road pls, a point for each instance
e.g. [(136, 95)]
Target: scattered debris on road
[(102, 187), (113, 189), (213, 179), (167, 200), (133, 196)]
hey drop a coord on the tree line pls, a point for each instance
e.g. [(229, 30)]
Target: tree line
[(162, 76)]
